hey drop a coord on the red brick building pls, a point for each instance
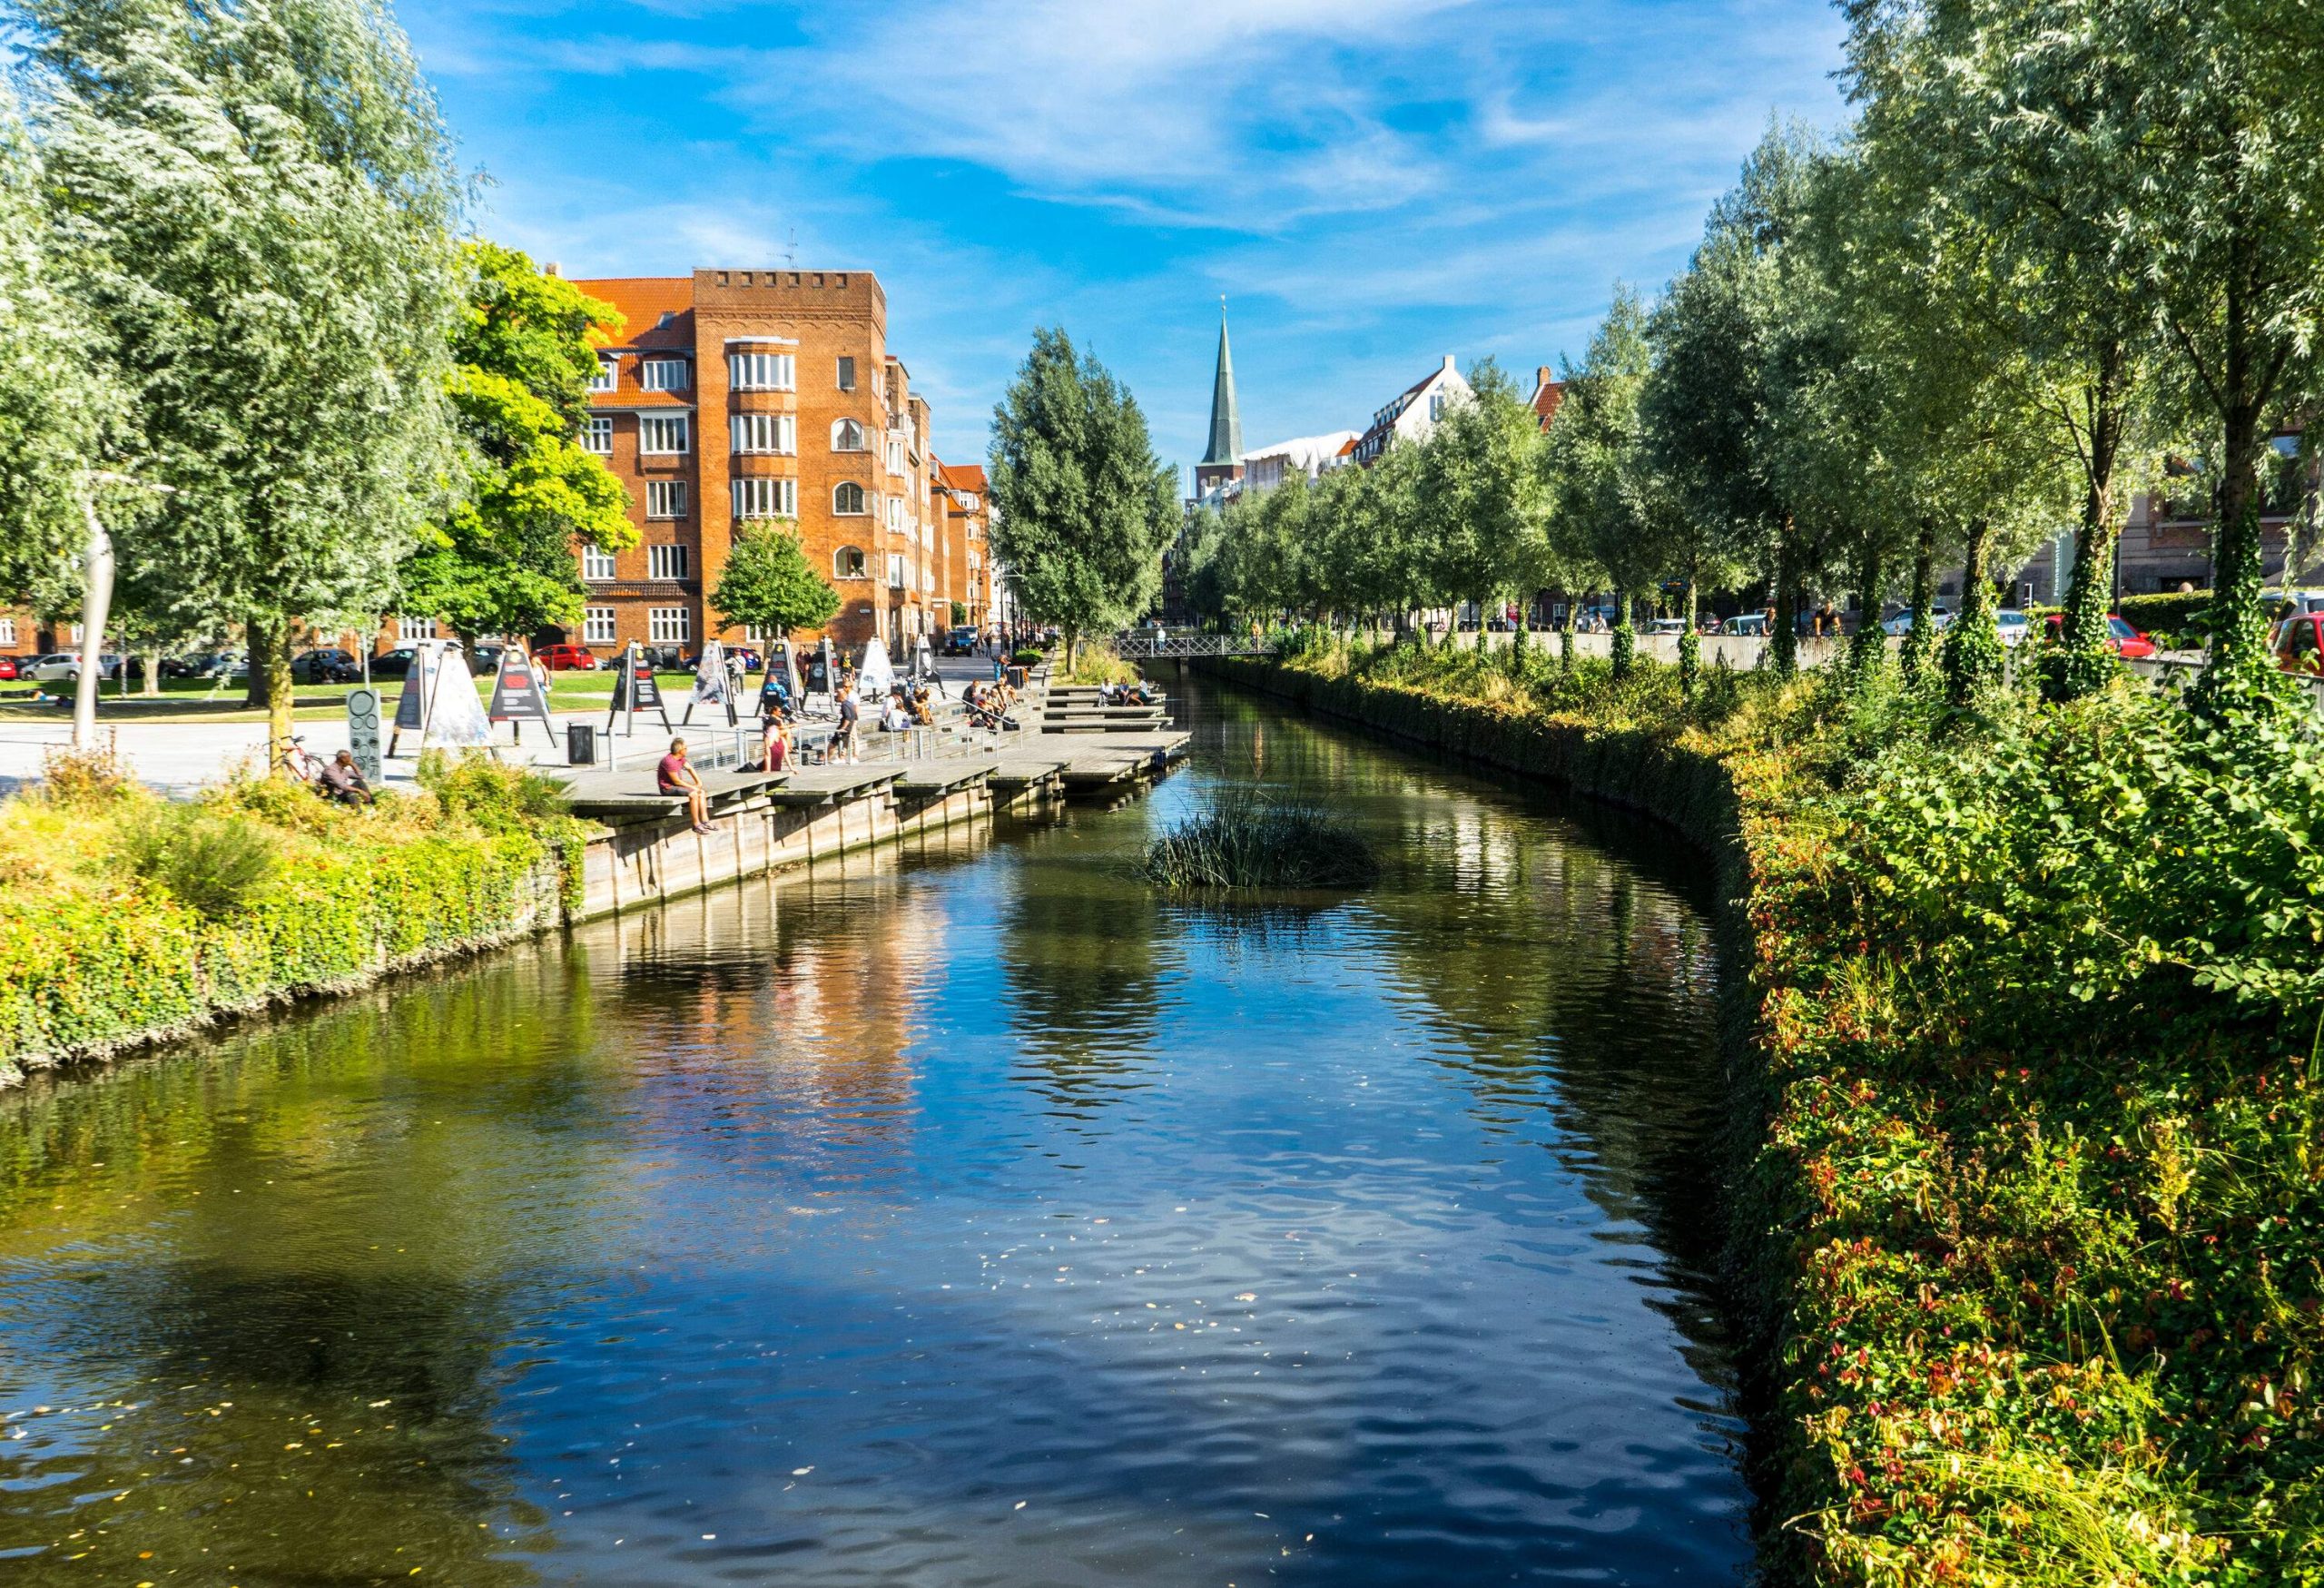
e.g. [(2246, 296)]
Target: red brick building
[(736, 396), (966, 547)]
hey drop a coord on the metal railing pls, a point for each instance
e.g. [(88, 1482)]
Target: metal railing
[(1137, 646)]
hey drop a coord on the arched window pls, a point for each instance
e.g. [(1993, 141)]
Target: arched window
[(848, 563), (847, 436), (848, 498)]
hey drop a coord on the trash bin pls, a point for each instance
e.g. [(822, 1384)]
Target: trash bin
[(1016, 677), (580, 743)]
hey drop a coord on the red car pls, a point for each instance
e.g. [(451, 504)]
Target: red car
[(2299, 643), (2129, 642), (567, 658), (7, 667)]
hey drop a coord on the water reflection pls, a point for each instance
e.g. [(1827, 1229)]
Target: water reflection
[(958, 1217)]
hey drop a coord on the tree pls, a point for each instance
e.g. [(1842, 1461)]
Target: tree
[(1479, 493), (769, 585), (55, 407), (257, 203), (1612, 508), (501, 561), (1082, 508)]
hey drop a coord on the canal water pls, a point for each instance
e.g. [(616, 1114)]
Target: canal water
[(962, 1215)]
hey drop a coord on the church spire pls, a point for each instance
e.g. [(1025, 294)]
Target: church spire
[(1225, 421)]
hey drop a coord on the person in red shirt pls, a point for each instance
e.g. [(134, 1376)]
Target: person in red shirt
[(674, 774)]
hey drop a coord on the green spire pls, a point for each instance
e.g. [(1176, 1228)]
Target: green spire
[(1225, 423)]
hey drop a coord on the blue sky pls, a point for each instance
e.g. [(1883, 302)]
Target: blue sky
[(1370, 184)]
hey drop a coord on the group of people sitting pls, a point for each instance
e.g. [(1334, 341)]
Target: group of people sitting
[(988, 707), (338, 778), (1135, 693)]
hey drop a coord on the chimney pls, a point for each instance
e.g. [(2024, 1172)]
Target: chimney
[(1541, 376), (549, 268), (1448, 363)]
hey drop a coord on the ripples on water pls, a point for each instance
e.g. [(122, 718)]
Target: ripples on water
[(967, 1216)]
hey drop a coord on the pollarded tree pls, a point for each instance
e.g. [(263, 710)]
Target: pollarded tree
[(501, 561), (1082, 508), (768, 584), (257, 203)]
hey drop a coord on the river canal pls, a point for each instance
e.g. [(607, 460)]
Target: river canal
[(964, 1215)]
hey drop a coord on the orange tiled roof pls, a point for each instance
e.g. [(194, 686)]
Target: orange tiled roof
[(643, 301), (966, 476)]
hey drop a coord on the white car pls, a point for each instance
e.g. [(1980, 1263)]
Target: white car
[(1668, 625), (2014, 626), (1902, 622), (57, 667)]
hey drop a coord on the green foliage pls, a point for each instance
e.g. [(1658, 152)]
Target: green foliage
[(1480, 491), (501, 561), (215, 862), (2032, 1224), (1082, 509), (474, 787), (1244, 840), (2171, 612), (960, 613), (769, 585)]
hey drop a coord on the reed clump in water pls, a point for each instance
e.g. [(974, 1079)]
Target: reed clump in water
[(1247, 841)]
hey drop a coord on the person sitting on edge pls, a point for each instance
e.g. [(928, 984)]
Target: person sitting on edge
[(675, 775), (892, 718), (343, 781), (923, 712), (774, 744)]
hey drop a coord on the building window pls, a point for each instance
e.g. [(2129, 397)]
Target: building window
[(896, 576), (596, 564), (895, 457), (765, 498), (848, 498), (410, 631), (1435, 406), (668, 625), (598, 437), (662, 434), (765, 433), (666, 562), (896, 514), (848, 563), (662, 374), (597, 626), (7, 631), (608, 376), (760, 371), (847, 374), (665, 498), (847, 436)]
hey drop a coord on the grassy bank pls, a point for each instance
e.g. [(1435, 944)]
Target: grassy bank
[(129, 917), (2030, 1209)]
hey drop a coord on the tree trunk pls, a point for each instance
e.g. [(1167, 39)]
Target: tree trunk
[(1783, 641), (274, 660), (2239, 621), (1973, 660), (1919, 653), (257, 682), (154, 672), (1690, 644), (2086, 661), (1868, 652), (1625, 637), (1565, 633)]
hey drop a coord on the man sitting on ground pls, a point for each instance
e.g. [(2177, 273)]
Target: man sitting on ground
[(676, 776), (343, 781)]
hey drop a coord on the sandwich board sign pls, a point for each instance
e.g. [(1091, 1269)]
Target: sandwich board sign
[(454, 716), (520, 694), (712, 687), (819, 670), (877, 678), (634, 689)]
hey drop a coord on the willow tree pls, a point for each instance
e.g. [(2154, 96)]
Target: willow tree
[(259, 200), (1082, 509), (1480, 492)]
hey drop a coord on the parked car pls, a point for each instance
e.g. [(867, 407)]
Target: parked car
[(1667, 625), (962, 641), (1941, 616), (567, 658), (2128, 641), (2291, 603), (485, 658), (56, 667), (7, 667), (395, 663), (2014, 626), (2298, 643), (752, 661), (1750, 626), (325, 665)]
